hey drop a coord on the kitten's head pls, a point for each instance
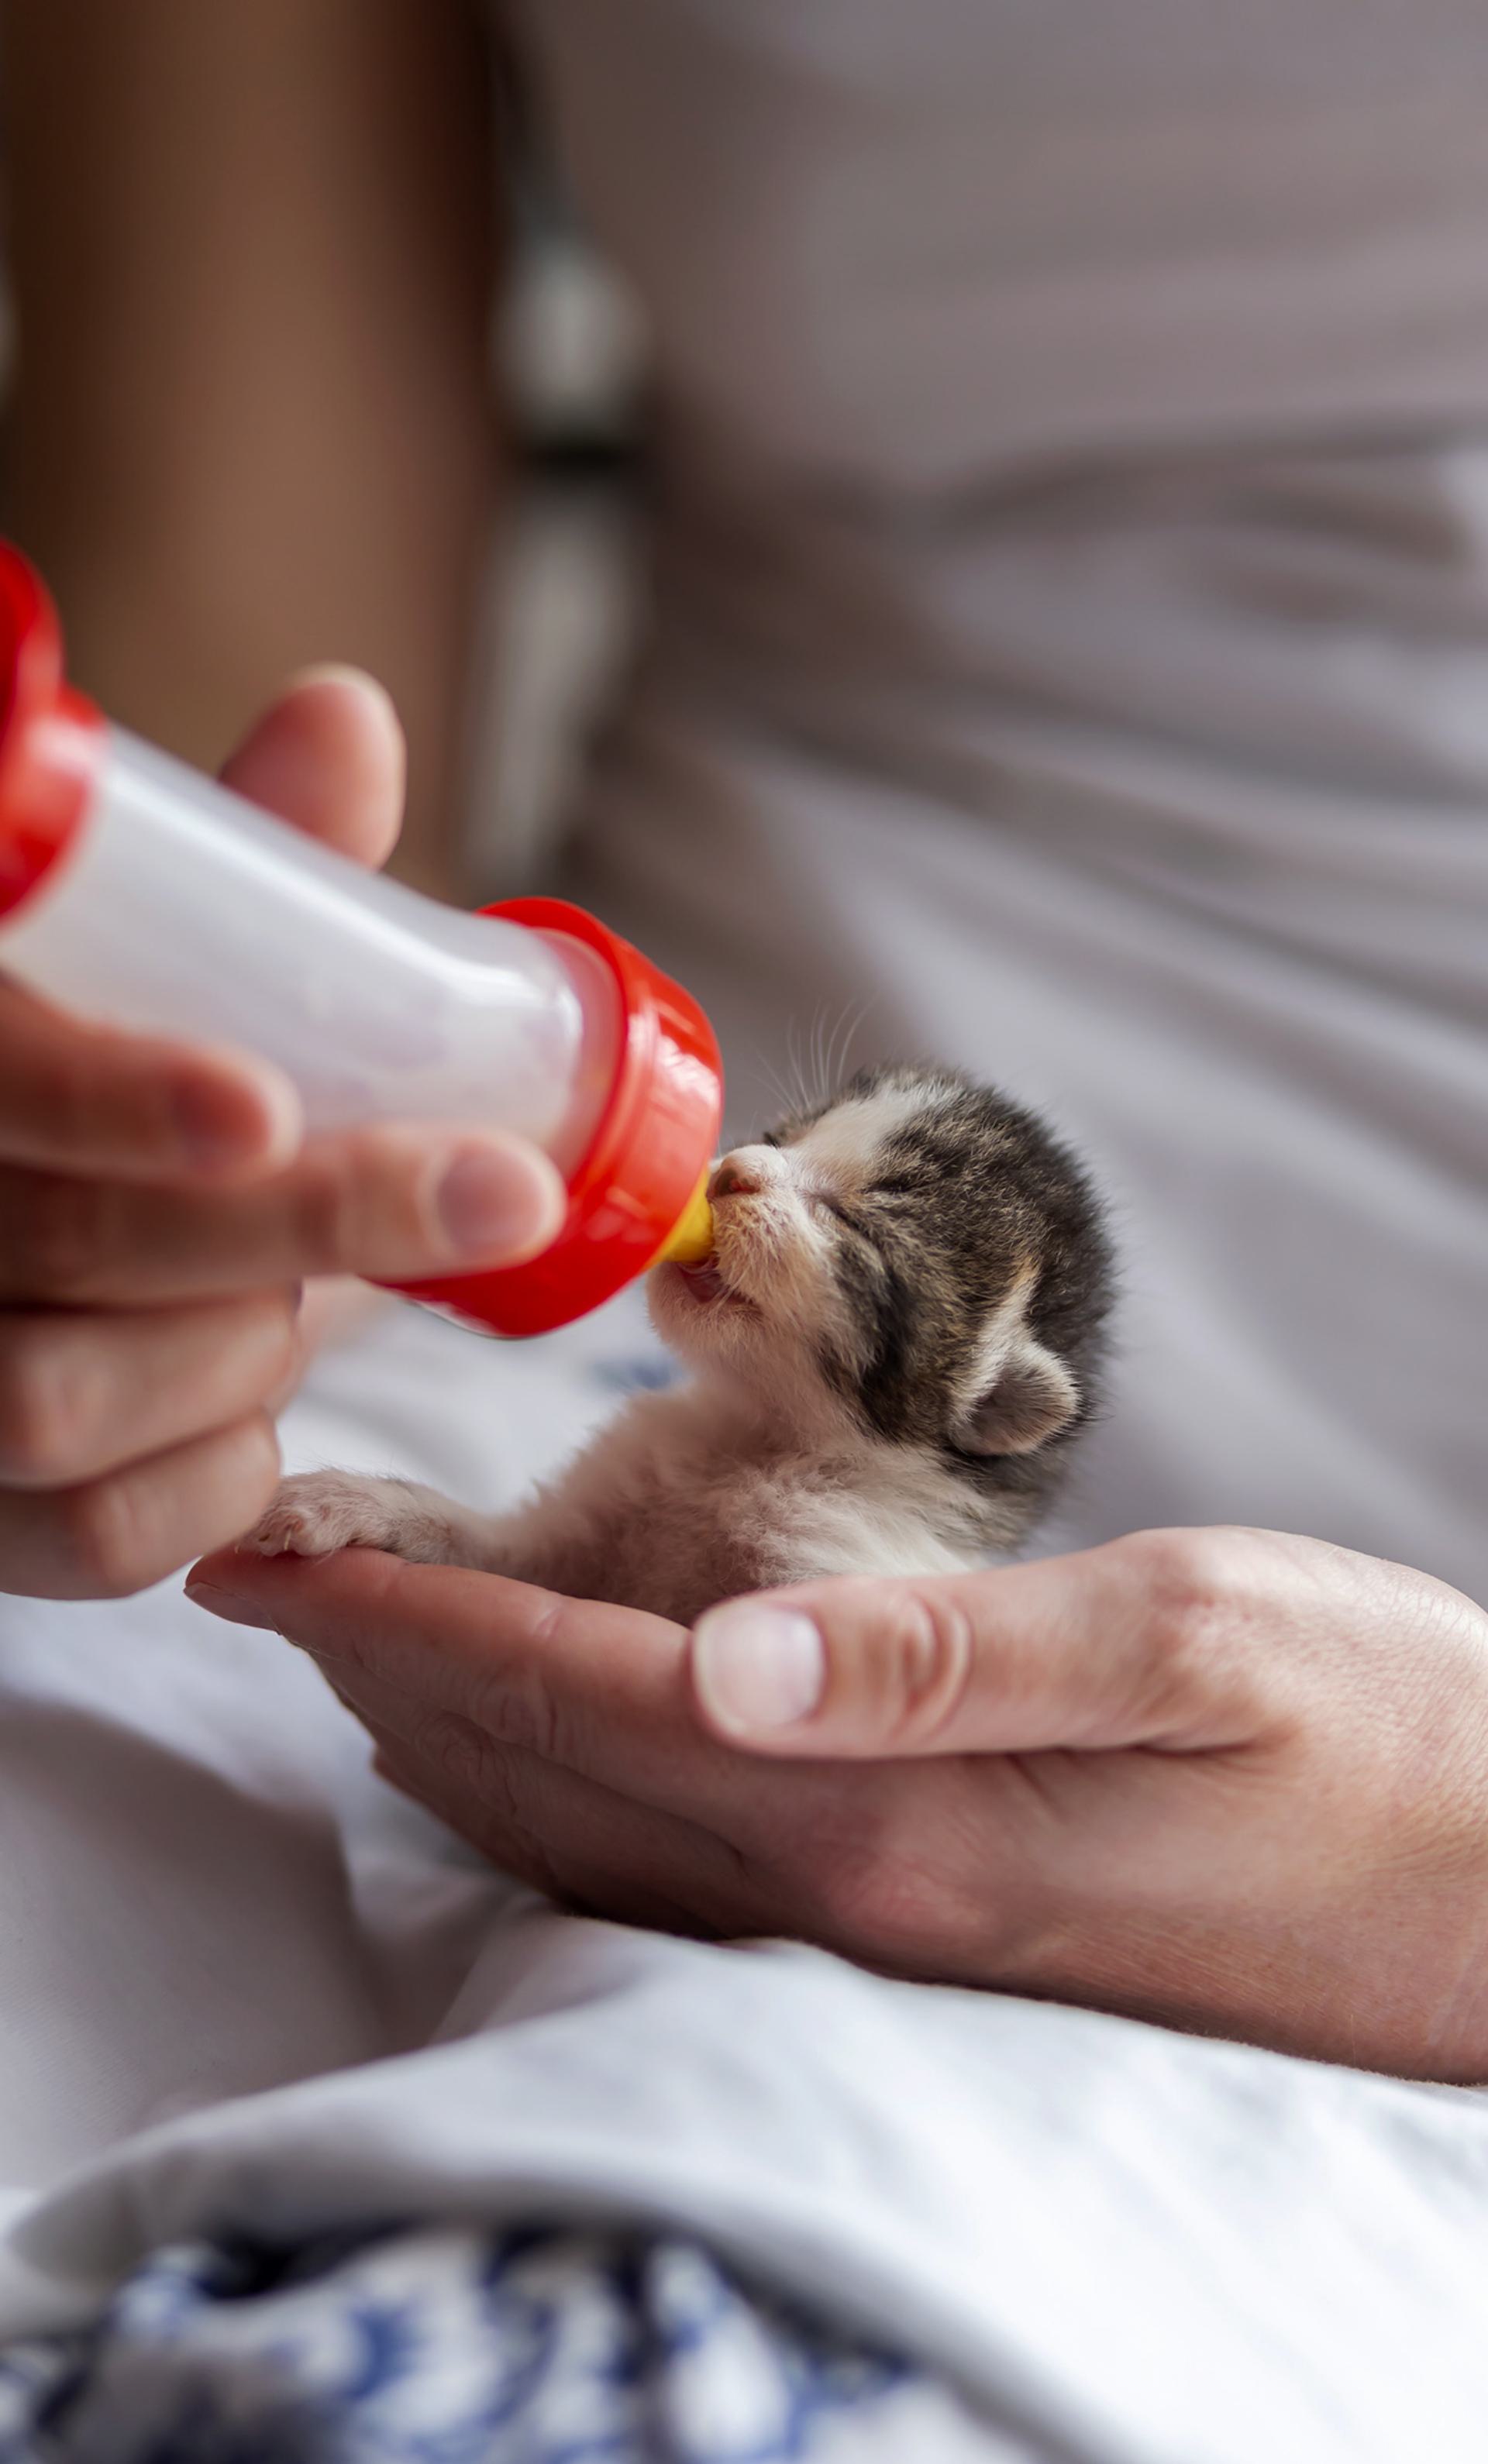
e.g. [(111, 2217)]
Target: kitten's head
[(920, 1256)]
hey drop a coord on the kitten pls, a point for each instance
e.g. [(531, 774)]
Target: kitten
[(894, 1342)]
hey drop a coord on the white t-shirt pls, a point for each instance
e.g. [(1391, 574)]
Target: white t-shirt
[(1071, 654)]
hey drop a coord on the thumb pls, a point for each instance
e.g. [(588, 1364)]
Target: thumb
[(1093, 1652), (327, 756)]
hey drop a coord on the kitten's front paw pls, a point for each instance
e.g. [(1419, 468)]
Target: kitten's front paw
[(318, 1512)]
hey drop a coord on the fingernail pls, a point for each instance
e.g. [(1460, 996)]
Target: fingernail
[(331, 672), (229, 1605), (758, 1669), (500, 1206)]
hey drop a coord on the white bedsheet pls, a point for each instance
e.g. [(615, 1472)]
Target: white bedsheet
[(243, 1986)]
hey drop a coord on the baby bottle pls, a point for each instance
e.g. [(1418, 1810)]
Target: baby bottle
[(138, 892)]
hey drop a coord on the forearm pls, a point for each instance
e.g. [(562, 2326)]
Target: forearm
[(250, 249)]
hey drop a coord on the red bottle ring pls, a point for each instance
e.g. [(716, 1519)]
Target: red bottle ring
[(652, 1141), (51, 737)]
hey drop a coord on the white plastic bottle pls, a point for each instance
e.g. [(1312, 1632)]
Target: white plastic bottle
[(138, 892)]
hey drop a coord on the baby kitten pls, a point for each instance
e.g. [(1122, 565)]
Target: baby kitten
[(892, 1348)]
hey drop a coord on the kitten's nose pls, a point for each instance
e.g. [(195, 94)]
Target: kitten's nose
[(735, 1178)]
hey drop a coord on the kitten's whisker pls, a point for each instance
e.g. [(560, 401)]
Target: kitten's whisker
[(810, 1078), (850, 1017), (823, 1086), (772, 1080), (868, 1005), (830, 1066), (800, 1100), (847, 1027)]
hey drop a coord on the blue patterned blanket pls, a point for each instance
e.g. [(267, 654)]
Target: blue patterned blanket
[(453, 2345)]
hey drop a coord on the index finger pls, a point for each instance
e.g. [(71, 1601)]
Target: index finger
[(91, 1100), (598, 1689)]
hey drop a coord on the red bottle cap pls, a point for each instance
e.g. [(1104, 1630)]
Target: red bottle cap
[(653, 1140), (51, 737)]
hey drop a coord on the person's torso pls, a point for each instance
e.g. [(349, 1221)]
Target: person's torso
[(1071, 640), (912, 248)]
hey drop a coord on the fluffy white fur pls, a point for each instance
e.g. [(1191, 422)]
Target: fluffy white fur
[(756, 1471)]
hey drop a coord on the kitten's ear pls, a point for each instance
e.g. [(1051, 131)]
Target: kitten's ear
[(1024, 1395)]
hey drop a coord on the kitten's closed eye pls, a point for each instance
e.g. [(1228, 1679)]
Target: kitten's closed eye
[(834, 1206), (923, 1256)]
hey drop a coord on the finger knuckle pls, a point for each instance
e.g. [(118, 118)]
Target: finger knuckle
[(354, 1208), (255, 1473), (112, 1538), (326, 1217), (130, 1530), (45, 1410), (523, 1712), (880, 1900), (453, 1746), (61, 1236), (926, 1658), (928, 1883), (471, 1780), (1193, 1585), (855, 1896), (519, 1706), (77, 1106), (550, 1728), (267, 1332)]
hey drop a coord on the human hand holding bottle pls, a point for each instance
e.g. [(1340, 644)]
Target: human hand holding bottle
[(160, 1213)]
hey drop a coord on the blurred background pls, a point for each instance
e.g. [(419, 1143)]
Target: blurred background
[(567, 579), (119, 293)]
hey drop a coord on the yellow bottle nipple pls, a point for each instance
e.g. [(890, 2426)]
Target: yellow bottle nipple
[(691, 1238)]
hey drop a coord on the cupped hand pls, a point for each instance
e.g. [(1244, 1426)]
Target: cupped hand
[(1228, 1780), (159, 1216)]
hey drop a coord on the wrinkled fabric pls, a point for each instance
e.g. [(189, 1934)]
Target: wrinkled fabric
[(455, 2346)]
